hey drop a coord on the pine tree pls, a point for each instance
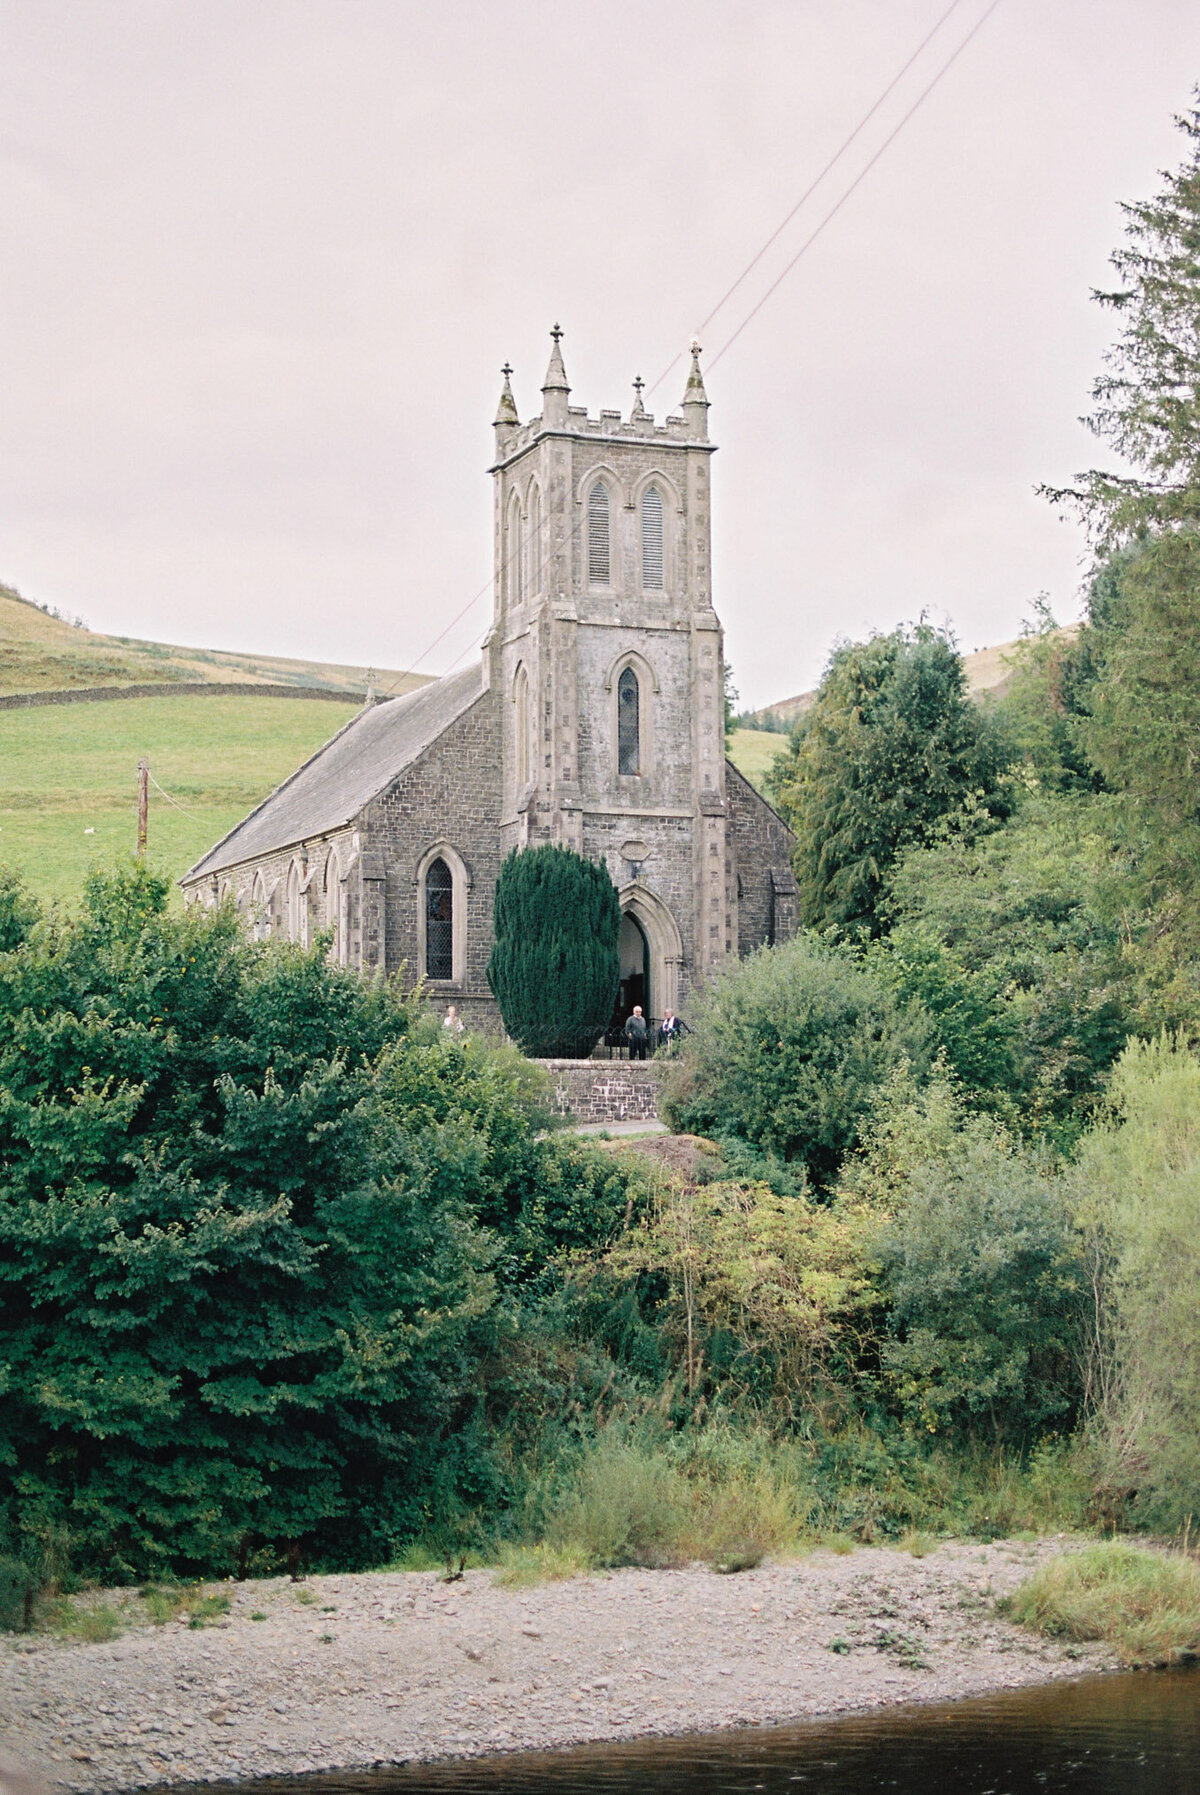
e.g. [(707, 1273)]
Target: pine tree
[(555, 965)]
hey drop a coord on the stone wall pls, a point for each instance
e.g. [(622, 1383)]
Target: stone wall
[(450, 795), (605, 1090), (762, 852), (174, 689)]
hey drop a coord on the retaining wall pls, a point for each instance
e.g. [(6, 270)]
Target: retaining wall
[(605, 1090)]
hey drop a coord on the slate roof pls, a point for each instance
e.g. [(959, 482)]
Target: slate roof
[(329, 790)]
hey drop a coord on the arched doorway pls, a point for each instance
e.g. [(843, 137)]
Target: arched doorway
[(635, 970)]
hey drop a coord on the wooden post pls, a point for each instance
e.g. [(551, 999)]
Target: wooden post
[(143, 804)]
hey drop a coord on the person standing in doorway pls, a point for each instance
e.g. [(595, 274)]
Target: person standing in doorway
[(635, 1034)]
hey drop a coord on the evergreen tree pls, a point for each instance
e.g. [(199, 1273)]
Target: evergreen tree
[(1143, 635), (555, 965), (890, 746)]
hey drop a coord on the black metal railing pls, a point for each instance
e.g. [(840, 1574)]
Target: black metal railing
[(615, 1044)]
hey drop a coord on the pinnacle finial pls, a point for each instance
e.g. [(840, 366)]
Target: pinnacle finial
[(556, 373), (695, 399), (639, 410), (506, 411), (694, 393)]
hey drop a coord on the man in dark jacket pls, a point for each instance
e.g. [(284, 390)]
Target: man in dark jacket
[(635, 1034)]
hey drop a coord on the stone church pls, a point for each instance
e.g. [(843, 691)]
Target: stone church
[(595, 718)]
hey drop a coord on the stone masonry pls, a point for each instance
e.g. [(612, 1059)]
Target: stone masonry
[(605, 1090)]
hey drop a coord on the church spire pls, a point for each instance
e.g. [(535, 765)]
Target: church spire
[(506, 411), (695, 399), (555, 390)]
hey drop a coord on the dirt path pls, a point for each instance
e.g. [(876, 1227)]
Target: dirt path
[(355, 1671)]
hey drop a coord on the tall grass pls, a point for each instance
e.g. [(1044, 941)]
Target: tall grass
[(1145, 1603), (640, 1494)]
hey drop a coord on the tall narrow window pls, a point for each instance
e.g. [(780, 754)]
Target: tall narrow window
[(535, 541), (521, 720), (333, 905), (513, 546), (439, 922), (629, 759), (598, 553), (295, 919), (652, 539)]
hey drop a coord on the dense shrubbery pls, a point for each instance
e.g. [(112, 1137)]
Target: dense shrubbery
[(1139, 1180), (255, 1227), (787, 1050)]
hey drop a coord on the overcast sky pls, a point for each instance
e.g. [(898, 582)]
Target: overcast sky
[(262, 261)]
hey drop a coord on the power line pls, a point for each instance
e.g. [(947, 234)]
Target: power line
[(170, 800), (857, 181), (832, 163), (753, 263)]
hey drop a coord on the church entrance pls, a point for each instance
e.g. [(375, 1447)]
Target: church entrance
[(635, 970)]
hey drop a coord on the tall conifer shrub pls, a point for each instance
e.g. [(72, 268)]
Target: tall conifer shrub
[(555, 966)]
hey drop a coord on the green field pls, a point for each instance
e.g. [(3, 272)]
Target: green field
[(753, 750), (68, 777)]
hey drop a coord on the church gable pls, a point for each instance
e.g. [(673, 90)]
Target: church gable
[(331, 788)]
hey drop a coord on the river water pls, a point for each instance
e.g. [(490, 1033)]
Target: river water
[(1117, 1735)]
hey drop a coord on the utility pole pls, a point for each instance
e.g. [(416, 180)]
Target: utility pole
[(143, 804)]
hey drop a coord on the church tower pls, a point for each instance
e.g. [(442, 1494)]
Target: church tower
[(605, 658)]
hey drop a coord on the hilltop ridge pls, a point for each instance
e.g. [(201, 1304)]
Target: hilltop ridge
[(41, 650)]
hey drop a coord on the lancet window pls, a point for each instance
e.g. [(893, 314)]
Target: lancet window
[(439, 921), (652, 539), (629, 747), (599, 557)]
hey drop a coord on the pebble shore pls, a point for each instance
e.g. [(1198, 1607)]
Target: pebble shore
[(386, 1668)]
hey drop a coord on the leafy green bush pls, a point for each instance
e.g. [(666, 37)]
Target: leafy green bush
[(1015, 942), (555, 967), (788, 1050), (18, 912), (245, 1286), (982, 1271), (1139, 1174)]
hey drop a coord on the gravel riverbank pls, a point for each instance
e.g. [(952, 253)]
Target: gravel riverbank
[(355, 1671)]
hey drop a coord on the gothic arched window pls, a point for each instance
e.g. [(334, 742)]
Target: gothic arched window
[(629, 747), (652, 539), (439, 921), (598, 550), (333, 904), (534, 558), (295, 906)]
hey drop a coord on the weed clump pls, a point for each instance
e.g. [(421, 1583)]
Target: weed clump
[(1145, 1603)]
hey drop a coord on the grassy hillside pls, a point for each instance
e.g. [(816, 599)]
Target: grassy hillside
[(68, 776), (753, 750), (41, 652)]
